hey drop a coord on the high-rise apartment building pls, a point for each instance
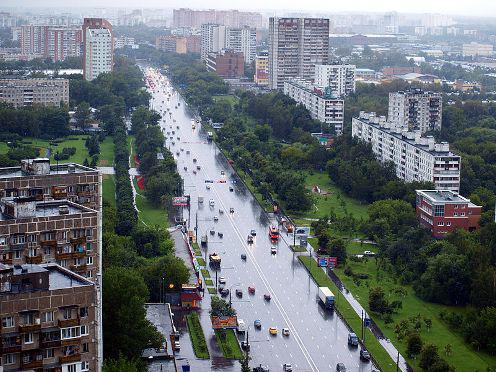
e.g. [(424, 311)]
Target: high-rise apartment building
[(179, 44), (416, 109), (322, 104), (296, 45), (31, 92), (242, 40), (226, 64), (48, 320), (98, 47), (340, 78), (213, 39), (262, 69), (55, 42), (196, 18), (416, 158)]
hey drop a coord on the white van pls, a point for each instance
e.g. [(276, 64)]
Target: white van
[(241, 326)]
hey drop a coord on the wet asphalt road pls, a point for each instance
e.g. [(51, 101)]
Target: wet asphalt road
[(318, 338)]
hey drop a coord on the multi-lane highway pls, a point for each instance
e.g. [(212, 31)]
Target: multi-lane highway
[(318, 338)]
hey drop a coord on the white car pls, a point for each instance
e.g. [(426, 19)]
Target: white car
[(368, 253), (222, 280), (211, 202), (207, 187), (285, 331), (216, 218)]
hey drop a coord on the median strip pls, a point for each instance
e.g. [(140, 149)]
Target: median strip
[(197, 336), (228, 343)]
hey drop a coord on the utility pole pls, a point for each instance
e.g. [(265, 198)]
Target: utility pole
[(362, 325), (398, 361)]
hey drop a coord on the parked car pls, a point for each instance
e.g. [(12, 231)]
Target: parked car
[(267, 297), (239, 293), (257, 324), (273, 250), (249, 239), (340, 367), (224, 292), (286, 367), (177, 346), (231, 188), (245, 345), (352, 339), (222, 280), (251, 290), (273, 331)]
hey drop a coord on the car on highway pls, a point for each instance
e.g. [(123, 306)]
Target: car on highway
[(222, 173), (257, 324), (198, 167), (340, 367), (273, 250), (245, 345), (253, 232), (231, 210), (208, 181), (224, 292), (211, 202), (273, 331), (251, 290), (177, 346), (243, 257), (249, 239), (287, 367), (364, 355), (239, 293), (216, 218), (231, 189), (352, 339), (207, 187), (285, 332), (222, 280)]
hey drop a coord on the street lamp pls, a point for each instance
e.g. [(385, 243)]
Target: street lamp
[(230, 293)]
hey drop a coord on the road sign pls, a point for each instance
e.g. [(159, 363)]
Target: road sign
[(322, 261), (302, 231), (367, 322), (303, 242), (333, 260), (180, 201)]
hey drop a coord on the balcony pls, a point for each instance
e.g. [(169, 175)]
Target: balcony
[(35, 260), (49, 243), (80, 269), (63, 323), (78, 241), (47, 344), (12, 348), (32, 364), (63, 255), (76, 357), (25, 328)]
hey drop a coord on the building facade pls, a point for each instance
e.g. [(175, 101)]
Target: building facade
[(179, 44), (242, 40), (296, 45), (415, 158), (474, 49), (184, 17), (261, 76), (416, 109), (98, 47), (32, 92), (213, 39), (340, 78), (321, 103), (226, 64), (442, 212), (48, 320)]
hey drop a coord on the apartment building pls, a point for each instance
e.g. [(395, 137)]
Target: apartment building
[(179, 44), (474, 49), (340, 78), (98, 47), (261, 76), (442, 212), (242, 40), (125, 41), (416, 158), (213, 39), (416, 109), (226, 64), (48, 320), (32, 92), (321, 103), (296, 45), (55, 42), (184, 17), (37, 178)]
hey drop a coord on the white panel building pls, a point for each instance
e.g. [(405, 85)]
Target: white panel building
[(243, 40), (341, 78), (416, 158), (322, 105), (213, 39), (416, 109), (98, 44)]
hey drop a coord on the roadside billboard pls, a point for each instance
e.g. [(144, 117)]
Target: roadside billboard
[(224, 322), (180, 201), (302, 231)]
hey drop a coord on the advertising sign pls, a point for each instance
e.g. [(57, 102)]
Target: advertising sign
[(224, 322), (322, 261), (180, 201), (302, 231)]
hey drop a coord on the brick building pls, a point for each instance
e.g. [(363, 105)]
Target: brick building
[(48, 320), (32, 92), (226, 64), (442, 212)]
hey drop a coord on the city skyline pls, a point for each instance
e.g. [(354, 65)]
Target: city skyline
[(477, 8)]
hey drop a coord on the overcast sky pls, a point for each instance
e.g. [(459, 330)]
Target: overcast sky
[(486, 8)]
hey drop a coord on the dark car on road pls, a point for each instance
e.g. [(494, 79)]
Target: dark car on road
[(364, 355)]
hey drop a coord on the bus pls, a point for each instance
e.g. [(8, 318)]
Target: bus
[(273, 232)]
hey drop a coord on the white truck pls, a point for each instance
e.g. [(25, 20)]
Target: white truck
[(241, 326), (327, 297)]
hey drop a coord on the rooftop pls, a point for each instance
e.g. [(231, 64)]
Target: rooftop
[(24, 208), (23, 171), (445, 197), (315, 90)]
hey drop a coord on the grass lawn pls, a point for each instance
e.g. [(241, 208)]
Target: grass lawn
[(197, 336), (205, 273), (211, 290), (232, 100), (109, 188), (463, 357), (148, 214), (297, 248), (228, 343), (380, 355), (200, 261), (106, 158), (334, 200)]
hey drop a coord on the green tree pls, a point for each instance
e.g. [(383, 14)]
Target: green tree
[(337, 249), (413, 344), (428, 357), (121, 365), (82, 114), (126, 330)]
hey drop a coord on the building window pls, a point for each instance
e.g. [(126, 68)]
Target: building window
[(448, 223), (28, 338), (68, 313), (8, 322), (440, 223), (439, 210), (456, 206), (48, 353), (3, 240), (89, 260), (83, 312), (17, 254), (47, 317), (71, 367), (86, 347), (71, 332), (462, 214), (85, 366), (84, 330), (9, 359), (455, 214)]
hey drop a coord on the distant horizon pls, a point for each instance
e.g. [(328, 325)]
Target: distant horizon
[(476, 8)]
